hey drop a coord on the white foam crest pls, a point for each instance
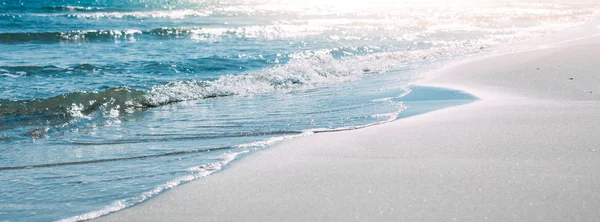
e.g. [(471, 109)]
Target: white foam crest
[(198, 172), (83, 34), (77, 8), (10, 75), (304, 70), (75, 111), (259, 31), (171, 14)]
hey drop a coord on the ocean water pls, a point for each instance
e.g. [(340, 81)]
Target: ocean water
[(106, 103)]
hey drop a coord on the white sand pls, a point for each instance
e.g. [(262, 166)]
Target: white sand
[(528, 151)]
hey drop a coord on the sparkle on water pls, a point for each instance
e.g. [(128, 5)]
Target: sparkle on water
[(105, 103)]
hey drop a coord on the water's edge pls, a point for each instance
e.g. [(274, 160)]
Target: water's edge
[(416, 101)]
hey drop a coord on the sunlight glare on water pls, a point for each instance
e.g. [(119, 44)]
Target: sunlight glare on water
[(106, 103)]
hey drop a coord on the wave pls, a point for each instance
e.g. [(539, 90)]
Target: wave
[(318, 69), (269, 32), (72, 104), (197, 33), (102, 13), (92, 35), (206, 64), (304, 71), (72, 8), (19, 71), (70, 36)]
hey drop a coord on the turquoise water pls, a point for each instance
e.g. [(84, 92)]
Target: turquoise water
[(106, 103)]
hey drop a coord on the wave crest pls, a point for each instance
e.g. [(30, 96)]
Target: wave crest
[(197, 33), (70, 36), (72, 8), (73, 104), (303, 71)]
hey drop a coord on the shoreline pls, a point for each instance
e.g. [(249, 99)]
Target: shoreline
[(525, 151), (414, 107)]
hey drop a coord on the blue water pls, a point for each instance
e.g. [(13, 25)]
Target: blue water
[(106, 103)]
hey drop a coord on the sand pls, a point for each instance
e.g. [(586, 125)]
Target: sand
[(529, 150)]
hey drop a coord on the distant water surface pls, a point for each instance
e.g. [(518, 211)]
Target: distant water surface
[(106, 103)]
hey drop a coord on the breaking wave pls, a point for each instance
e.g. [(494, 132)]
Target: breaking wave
[(74, 36), (198, 33), (317, 69), (59, 8), (72, 104)]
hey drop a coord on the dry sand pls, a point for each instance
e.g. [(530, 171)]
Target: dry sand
[(528, 151)]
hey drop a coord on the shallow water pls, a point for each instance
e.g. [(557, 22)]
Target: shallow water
[(104, 104)]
